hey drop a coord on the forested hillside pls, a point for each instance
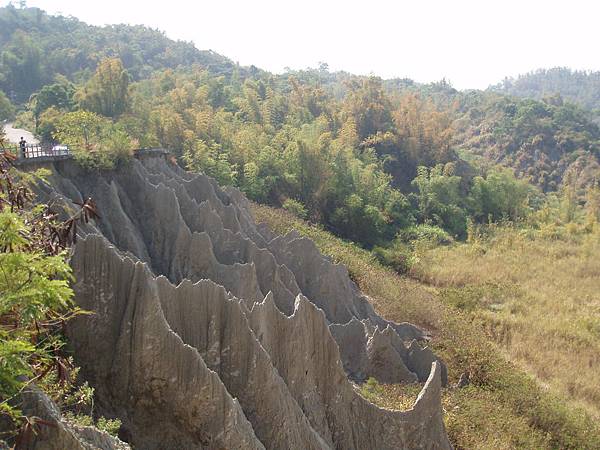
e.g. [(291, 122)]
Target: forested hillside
[(577, 86), (36, 47), (549, 143), (366, 158)]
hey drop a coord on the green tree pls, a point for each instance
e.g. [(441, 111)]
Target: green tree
[(58, 95), (81, 130), (21, 67), (7, 110), (94, 140), (209, 159), (107, 92), (569, 198), (500, 195), (592, 202), (47, 124), (439, 200)]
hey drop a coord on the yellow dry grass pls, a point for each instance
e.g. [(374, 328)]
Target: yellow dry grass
[(538, 297)]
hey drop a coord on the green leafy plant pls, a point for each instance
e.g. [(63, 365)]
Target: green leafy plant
[(35, 295), (95, 141), (295, 207)]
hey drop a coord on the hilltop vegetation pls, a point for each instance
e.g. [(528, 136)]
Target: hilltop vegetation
[(346, 151), (577, 86), (548, 143), (36, 47)]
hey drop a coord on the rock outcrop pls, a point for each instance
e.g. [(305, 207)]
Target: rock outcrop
[(58, 434), (211, 332)]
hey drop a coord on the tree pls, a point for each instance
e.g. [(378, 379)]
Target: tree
[(592, 202), (47, 124), (423, 131), (58, 95), (80, 130), (21, 67), (209, 159), (439, 200), (569, 197), (500, 195), (107, 92), (94, 140), (369, 107), (7, 110)]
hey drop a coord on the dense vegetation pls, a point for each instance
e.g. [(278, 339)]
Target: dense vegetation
[(36, 47), (365, 158), (400, 168), (577, 86), (549, 142)]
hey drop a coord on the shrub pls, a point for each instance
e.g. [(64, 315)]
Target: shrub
[(429, 233), (34, 292), (399, 256), (95, 141), (35, 301), (500, 196), (295, 207)]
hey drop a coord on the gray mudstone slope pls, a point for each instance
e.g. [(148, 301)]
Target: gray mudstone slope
[(211, 332), (60, 434)]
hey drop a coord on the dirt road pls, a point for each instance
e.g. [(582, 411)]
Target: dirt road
[(14, 134)]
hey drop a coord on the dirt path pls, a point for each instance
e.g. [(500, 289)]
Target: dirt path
[(14, 134)]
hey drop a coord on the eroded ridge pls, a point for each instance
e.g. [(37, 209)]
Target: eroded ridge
[(210, 332)]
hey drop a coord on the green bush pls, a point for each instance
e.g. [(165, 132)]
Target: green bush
[(7, 110), (95, 141), (439, 200), (35, 302), (295, 207), (500, 196), (399, 256), (429, 233), (34, 289)]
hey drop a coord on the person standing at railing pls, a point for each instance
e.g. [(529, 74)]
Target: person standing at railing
[(22, 147)]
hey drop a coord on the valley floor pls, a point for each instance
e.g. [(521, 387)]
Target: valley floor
[(517, 313), (537, 296)]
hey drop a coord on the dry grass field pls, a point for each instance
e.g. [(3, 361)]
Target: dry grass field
[(538, 297)]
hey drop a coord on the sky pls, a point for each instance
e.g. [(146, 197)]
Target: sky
[(470, 43)]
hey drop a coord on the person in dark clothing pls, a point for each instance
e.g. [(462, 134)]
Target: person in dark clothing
[(22, 146)]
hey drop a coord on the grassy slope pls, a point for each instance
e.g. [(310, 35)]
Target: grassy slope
[(538, 297), (503, 407)]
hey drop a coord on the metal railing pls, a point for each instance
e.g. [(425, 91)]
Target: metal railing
[(150, 151), (50, 152), (47, 151)]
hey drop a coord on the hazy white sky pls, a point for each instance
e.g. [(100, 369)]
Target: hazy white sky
[(470, 43)]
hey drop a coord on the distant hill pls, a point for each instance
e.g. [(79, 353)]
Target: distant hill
[(581, 87), (35, 47), (544, 141)]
